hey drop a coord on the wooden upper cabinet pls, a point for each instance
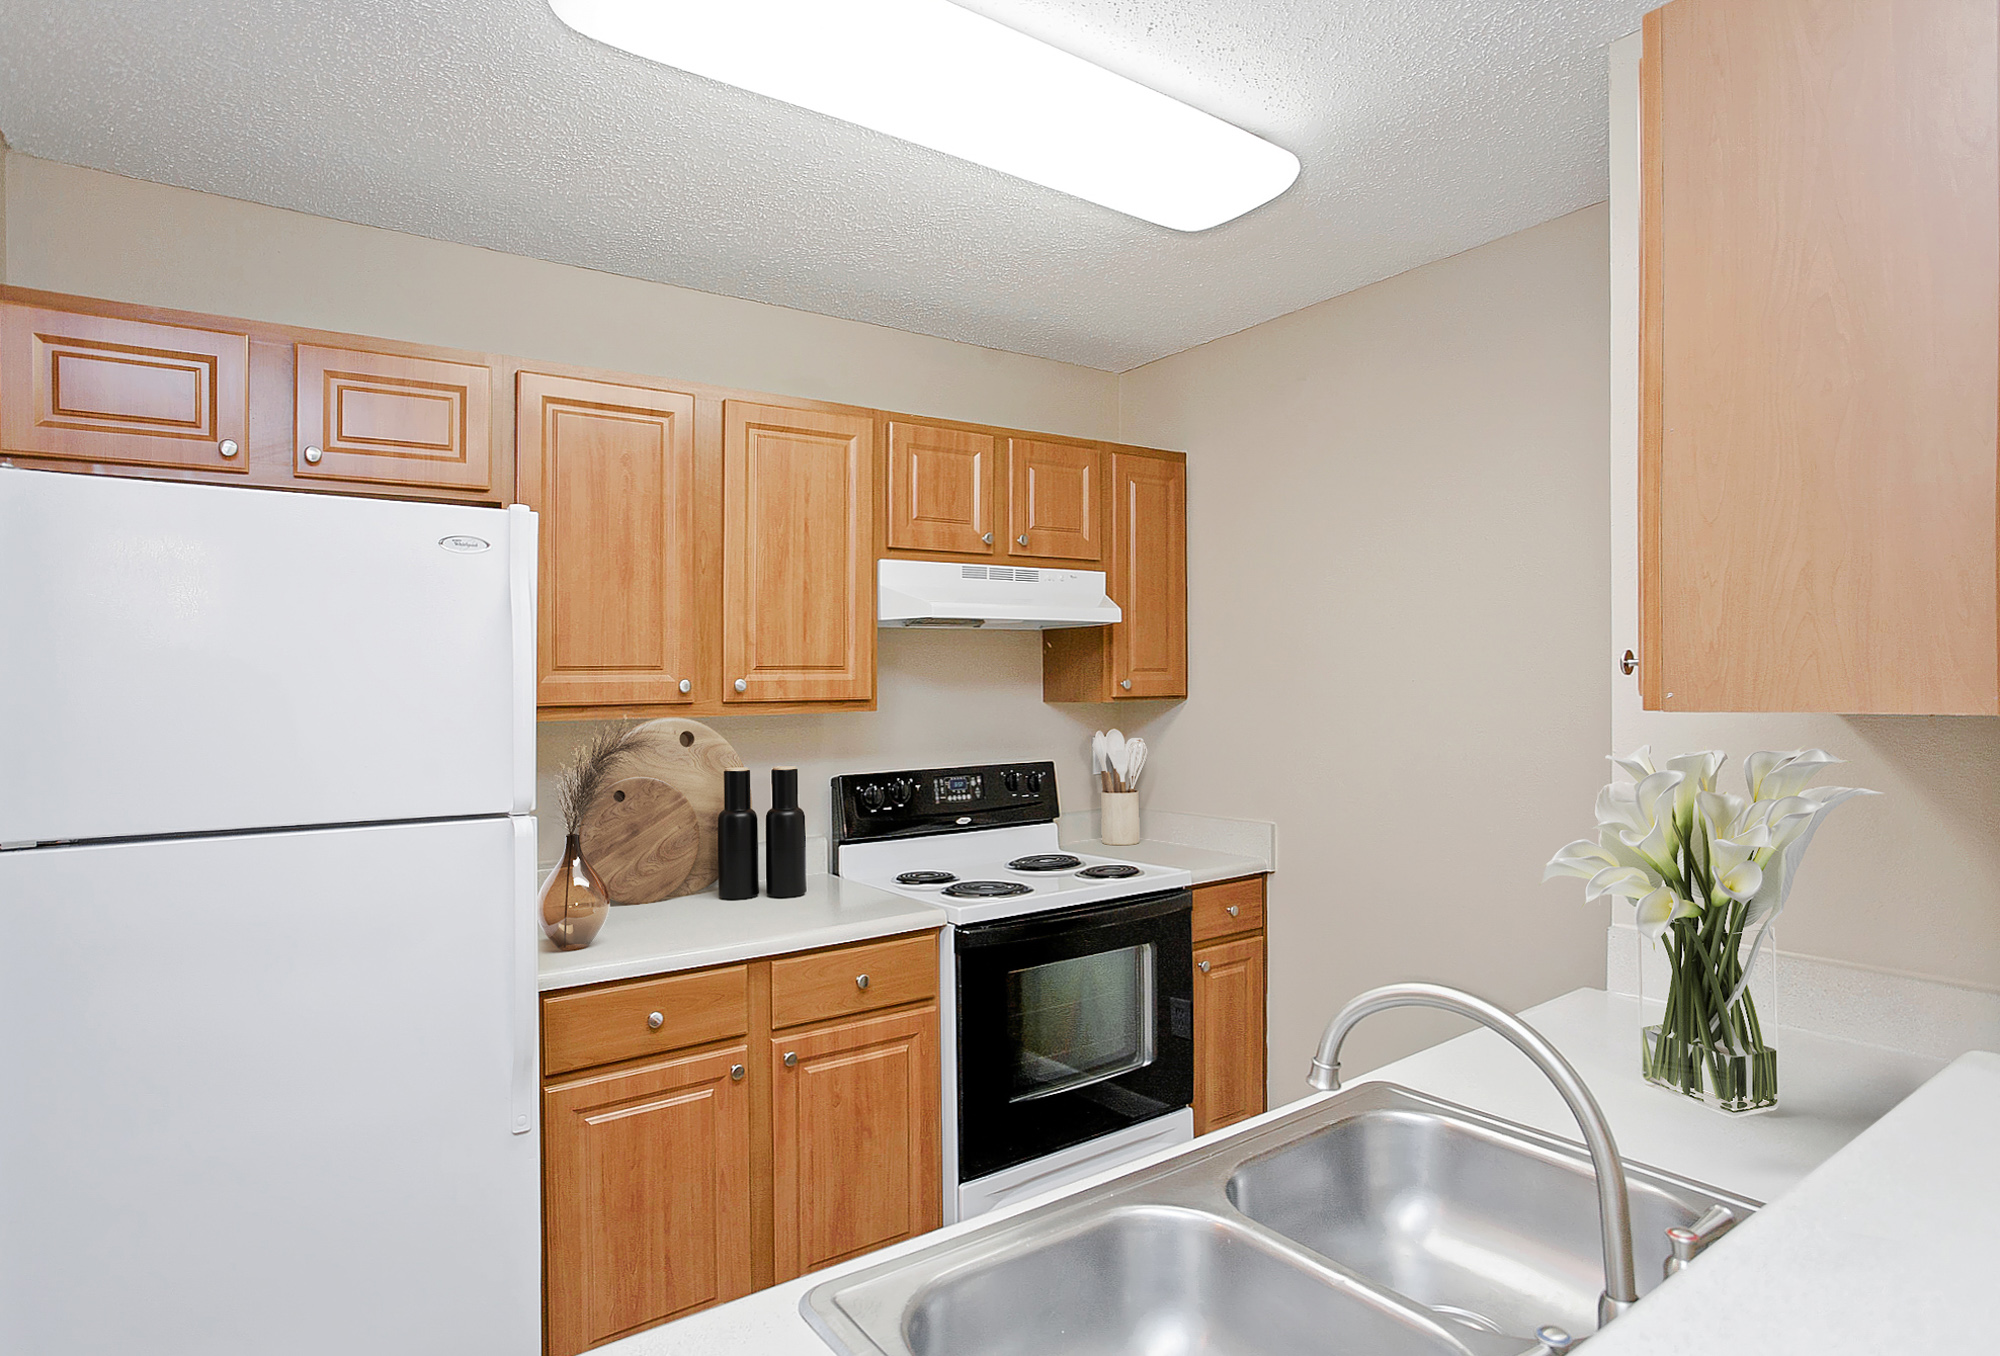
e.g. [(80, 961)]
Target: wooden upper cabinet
[(611, 471), (393, 419), (1052, 500), (1149, 575), (1820, 359), (798, 610), (646, 1184), (940, 489), (123, 392), (855, 1138)]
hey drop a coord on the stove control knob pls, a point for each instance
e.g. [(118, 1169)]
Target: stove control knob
[(902, 792), (1013, 780), (871, 797), (1035, 783)]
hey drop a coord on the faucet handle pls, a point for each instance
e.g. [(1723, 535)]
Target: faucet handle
[(1688, 1242)]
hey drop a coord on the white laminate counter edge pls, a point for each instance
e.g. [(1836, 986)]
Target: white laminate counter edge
[(696, 931)]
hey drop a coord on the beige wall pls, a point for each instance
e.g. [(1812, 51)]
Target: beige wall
[(1909, 882), (1399, 611), (944, 697)]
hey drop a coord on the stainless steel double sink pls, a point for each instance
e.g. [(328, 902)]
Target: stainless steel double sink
[(1377, 1221)]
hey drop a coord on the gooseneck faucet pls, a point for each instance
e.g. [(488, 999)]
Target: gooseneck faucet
[(1614, 1206)]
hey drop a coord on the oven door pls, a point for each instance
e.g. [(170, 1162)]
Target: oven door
[(1072, 1025)]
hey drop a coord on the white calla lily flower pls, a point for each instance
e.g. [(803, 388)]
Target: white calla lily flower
[(1735, 874), (1660, 908), (1638, 764), (1621, 882)]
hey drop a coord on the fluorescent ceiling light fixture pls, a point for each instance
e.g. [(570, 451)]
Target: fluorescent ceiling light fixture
[(930, 72)]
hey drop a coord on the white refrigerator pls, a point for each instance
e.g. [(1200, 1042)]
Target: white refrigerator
[(267, 937)]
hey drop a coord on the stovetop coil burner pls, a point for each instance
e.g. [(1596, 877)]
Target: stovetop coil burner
[(1045, 861), (926, 878), (987, 889), (1108, 871)]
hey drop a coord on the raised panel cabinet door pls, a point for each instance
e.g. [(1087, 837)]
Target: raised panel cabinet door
[(392, 419), (855, 1116), (940, 489), (1820, 362), (798, 576), (123, 392), (1149, 576), (610, 469), (1229, 1072), (1052, 500), (646, 1183)]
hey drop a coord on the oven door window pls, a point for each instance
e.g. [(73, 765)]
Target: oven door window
[(1074, 1022)]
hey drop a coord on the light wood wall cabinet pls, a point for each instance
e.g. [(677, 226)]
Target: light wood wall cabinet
[(123, 392), (1820, 358), (102, 386), (1145, 654), (1229, 953), (393, 419), (798, 579), (940, 485), (611, 470), (712, 1132), (1053, 500)]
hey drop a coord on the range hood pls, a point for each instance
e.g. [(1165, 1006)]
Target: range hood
[(944, 593)]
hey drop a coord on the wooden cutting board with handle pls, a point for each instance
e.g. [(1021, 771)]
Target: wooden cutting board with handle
[(650, 833)]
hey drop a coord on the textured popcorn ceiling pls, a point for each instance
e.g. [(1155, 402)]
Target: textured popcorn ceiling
[(1425, 127)]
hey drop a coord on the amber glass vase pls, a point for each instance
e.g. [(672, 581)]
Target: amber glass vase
[(574, 904)]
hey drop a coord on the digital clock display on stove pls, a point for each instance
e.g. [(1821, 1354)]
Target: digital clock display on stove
[(960, 787)]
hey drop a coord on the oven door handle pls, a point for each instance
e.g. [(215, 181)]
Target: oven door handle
[(1009, 931)]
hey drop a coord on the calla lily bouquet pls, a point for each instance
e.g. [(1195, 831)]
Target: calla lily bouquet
[(1708, 872)]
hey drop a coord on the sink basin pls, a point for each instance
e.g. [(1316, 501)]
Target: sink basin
[(1157, 1281), (1466, 1220), (1377, 1221)]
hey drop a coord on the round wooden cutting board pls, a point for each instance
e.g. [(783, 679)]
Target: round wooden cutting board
[(651, 833)]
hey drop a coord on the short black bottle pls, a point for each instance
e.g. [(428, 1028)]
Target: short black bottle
[(736, 837), (784, 837)]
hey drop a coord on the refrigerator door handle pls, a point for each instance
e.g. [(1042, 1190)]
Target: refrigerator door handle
[(521, 1101), (523, 557)]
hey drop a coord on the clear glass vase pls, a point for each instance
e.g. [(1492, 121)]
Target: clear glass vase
[(1706, 1032)]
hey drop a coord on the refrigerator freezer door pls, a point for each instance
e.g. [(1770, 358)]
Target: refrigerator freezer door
[(185, 658), (261, 1094)]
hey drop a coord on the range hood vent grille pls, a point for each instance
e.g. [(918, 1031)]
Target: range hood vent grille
[(1018, 575)]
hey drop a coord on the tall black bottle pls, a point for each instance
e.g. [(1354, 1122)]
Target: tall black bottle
[(784, 837), (736, 837)]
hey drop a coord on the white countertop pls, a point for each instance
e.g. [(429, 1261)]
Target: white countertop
[(1207, 866), (1830, 1091), (705, 929), (1889, 1247)]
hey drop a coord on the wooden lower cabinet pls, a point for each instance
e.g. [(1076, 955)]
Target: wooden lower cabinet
[(677, 1179), (647, 1193), (855, 1111), (1229, 1056)]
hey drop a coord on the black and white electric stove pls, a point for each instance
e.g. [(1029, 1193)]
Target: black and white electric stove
[(1067, 987)]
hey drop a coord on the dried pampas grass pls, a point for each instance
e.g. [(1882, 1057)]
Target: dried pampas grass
[(591, 767)]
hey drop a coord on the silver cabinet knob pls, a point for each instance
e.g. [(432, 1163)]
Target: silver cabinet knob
[(654, 1021), (227, 447), (988, 539), (1232, 909), (1125, 683), (1021, 540), (791, 1059), (742, 684), (861, 981), (1201, 966), (736, 1073), (687, 685), (313, 454)]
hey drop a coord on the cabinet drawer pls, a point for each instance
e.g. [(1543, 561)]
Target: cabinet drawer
[(831, 983), (601, 1026), (1229, 907)]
